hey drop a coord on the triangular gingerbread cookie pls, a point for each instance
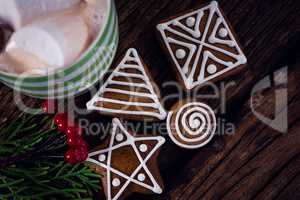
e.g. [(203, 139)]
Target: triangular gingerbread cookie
[(201, 45), (129, 92)]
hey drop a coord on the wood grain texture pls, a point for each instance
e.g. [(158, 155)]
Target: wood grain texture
[(252, 158), (256, 162)]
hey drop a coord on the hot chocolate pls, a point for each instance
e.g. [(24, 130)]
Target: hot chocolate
[(18, 13), (52, 40)]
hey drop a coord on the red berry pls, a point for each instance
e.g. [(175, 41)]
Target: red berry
[(80, 154), (61, 121), (74, 131), (70, 157), (45, 107), (49, 106), (84, 155), (72, 141), (76, 142), (84, 148), (84, 145)]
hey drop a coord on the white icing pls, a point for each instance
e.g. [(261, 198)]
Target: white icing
[(141, 177), (180, 53), (192, 49), (195, 123), (139, 94), (147, 105), (131, 55), (192, 119), (143, 148), (141, 85), (116, 182), (211, 69), (213, 39), (188, 70), (131, 141), (191, 21), (119, 137), (223, 32), (206, 56), (102, 158), (130, 75)]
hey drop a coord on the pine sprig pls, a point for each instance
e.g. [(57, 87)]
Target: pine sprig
[(48, 180), (32, 166), (24, 134)]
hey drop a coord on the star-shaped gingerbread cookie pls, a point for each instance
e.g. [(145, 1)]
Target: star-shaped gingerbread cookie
[(127, 163)]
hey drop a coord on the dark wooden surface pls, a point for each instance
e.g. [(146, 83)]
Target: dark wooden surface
[(256, 162)]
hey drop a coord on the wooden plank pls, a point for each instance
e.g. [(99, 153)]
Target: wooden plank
[(251, 158), (230, 166)]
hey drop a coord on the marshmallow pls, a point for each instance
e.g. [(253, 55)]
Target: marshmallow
[(7, 64), (57, 40), (19, 62), (20, 12)]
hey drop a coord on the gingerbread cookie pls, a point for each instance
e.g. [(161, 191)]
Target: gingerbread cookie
[(129, 92), (191, 125), (127, 163), (201, 45)]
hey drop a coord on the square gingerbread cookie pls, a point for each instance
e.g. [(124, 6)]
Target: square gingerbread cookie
[(201, 45)]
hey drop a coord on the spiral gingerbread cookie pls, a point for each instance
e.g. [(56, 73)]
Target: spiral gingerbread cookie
[(191, 125)]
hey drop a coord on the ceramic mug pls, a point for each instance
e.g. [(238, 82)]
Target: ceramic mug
[(78, 77)]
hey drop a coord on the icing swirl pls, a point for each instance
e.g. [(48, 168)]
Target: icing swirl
[(192, 126)]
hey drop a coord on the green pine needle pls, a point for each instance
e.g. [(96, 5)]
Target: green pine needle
[(28, 170), (42, 179)]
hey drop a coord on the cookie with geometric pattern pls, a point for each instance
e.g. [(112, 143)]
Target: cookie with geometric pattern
[(129, 92), (201, 45), (127, 163)]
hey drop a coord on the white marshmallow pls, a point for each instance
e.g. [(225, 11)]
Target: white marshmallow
[(21, 12), (18, 62), (57, 40), (7, 64)]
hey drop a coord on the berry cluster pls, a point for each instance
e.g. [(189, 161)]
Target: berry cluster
[(78, 148)]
